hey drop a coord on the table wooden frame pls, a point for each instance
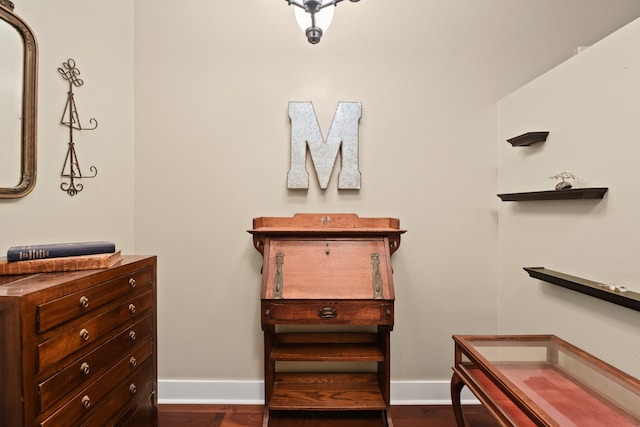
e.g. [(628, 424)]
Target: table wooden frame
[(504, 400)]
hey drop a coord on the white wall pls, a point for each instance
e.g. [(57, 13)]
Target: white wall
[(590, 106), (211, 82), (99, 37)]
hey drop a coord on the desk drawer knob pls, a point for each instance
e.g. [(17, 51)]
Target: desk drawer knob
[(132, 335), (132, 282), (133, 362), (84, 302), (133, 389), (327, 313), (85, 369), (86, 402), (132, 309), (84, 334)]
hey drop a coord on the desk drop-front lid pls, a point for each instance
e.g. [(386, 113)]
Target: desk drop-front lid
[(326, 256)]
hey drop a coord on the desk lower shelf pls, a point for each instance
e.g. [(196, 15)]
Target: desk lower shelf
[(329, 418), (327, 347), (327, 392)]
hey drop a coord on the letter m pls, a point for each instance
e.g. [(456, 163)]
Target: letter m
[(343, 137)]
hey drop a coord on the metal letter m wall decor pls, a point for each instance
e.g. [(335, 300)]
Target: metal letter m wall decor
[(342, 136)]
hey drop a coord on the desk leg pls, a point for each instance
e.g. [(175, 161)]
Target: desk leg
[(387, 416), (456, 388)]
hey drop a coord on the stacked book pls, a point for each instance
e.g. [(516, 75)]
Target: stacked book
[(59, 257)]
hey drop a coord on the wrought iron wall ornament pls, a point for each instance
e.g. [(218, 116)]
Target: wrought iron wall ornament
[(71, 119)]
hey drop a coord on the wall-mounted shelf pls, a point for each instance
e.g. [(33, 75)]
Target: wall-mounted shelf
[(569, 194), (528, 138), (602, 291)]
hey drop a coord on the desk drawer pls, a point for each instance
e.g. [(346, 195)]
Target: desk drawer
[(94, 329), (90, 366), (93, 400), (369, 312), (61, 310)]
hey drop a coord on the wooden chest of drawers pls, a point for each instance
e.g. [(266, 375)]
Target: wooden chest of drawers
[(79, 348), (327, 304)]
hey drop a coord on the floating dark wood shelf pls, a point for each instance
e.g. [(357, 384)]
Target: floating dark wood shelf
[(602, 291), (569, 194), (528, 138)]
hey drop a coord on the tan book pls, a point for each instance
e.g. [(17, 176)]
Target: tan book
[(49, 265)]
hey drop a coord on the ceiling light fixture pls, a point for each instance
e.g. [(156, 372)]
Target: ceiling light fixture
[(313, 15)]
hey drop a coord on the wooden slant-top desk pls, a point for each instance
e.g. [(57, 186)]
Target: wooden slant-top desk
[(332, 274)]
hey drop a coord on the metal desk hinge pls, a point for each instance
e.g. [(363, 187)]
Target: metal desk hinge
[(377, 279), (278, 279)]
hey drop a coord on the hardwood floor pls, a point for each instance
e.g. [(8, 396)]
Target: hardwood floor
[(251, 416)]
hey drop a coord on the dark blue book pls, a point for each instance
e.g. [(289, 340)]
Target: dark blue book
[(58, 250)]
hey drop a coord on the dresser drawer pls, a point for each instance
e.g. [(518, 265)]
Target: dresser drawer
[(135, 406), (92, 330), (58, 311), (95, 397), (94, 364), (144, 414), (328, 312)]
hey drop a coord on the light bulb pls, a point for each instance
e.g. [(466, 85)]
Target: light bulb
[(323, 18)]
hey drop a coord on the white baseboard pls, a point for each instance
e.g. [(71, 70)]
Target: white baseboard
[(252, 392)]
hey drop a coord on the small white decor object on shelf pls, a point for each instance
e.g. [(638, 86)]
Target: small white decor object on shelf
[(564, 176)]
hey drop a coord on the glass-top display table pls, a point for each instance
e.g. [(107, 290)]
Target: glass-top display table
[(541, 380)]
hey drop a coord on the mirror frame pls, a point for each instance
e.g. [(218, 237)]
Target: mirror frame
[(29, 104)]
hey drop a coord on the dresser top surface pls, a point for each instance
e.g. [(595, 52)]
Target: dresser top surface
[(24, 284)]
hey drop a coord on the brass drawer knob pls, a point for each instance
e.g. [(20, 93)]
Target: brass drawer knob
[(133, 362), (132, 335), (84, 334), (132, 309), (84, 302), (133, 389), (86, 402), (85, 369), (132, 282)]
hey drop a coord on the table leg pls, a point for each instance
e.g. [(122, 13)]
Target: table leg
[(456, 388)]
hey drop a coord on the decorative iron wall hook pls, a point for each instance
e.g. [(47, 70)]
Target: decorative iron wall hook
[(71, 119)]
